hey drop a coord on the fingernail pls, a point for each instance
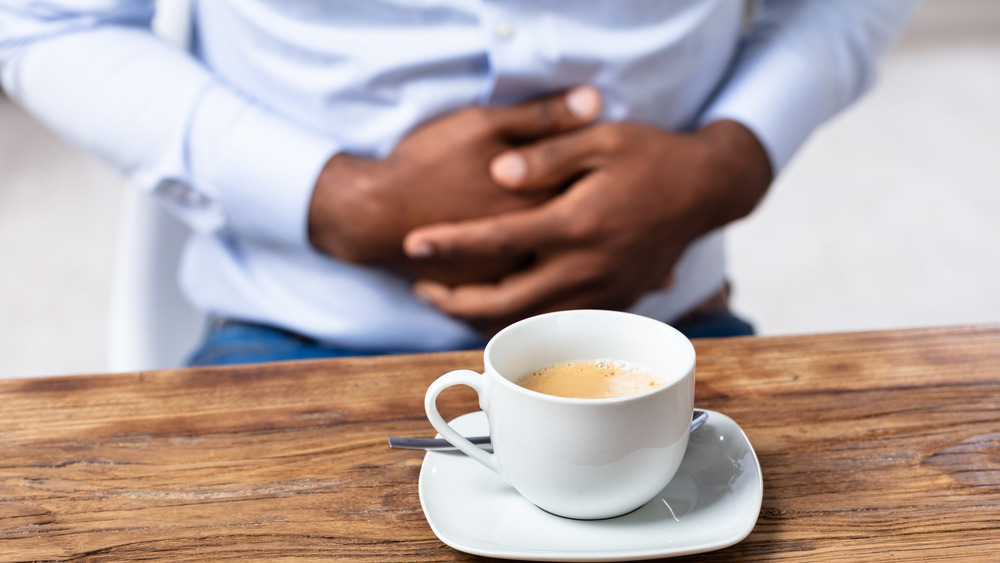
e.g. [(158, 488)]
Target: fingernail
[(420, 250), (509, 168), (583, 103)]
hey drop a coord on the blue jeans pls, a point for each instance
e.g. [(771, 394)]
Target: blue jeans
[(235, 342)]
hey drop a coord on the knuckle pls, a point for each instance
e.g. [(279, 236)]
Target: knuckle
[(548, 114), (612, 139), (500, 303), (546, 155), (583, 228), (499, 242)]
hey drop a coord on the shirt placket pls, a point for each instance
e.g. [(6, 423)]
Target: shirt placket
[(513, 51)]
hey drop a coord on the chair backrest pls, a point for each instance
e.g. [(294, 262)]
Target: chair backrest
[(151, 325)]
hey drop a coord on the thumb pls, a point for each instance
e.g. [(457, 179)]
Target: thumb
[(548, 116)]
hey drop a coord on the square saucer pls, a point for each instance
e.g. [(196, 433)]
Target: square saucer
[(712, 502)]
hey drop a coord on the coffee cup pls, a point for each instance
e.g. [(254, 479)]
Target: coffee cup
[(584, 458)]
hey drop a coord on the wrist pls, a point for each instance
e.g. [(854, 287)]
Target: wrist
[(341, 200), (739, 168)]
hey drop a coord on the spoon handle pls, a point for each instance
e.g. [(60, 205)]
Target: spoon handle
[(438, 444)]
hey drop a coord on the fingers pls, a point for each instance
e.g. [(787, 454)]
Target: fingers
[(516, 232), (558, 282), (553, 161), (532, 291), (548, 116)]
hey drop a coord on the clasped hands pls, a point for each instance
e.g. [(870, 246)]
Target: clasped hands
[(502, 213)]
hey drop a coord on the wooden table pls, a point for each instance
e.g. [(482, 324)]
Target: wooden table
[(874, 446)]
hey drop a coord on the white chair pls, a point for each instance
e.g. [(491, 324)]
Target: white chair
[(151, 325)]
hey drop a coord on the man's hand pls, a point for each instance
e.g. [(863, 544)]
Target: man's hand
[(639, 196), (361, 208)]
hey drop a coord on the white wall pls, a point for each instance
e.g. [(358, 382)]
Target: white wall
[(890, 215)]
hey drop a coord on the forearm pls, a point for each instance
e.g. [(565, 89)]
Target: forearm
[(169, 125)]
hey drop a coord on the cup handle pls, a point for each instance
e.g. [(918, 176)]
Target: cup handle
[(478, 383)]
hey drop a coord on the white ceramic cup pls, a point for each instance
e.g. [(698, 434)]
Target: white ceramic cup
[(580, 458)]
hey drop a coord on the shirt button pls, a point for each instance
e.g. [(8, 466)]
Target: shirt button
[(504, 29)]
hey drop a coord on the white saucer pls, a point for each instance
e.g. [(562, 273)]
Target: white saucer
[(711, 503)]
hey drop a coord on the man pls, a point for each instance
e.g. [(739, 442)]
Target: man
[(382, 176)]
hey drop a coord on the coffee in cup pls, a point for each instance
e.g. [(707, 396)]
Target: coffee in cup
[(591, 379)]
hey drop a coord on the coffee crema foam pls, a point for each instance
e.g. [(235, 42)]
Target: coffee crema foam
[(591, 379)]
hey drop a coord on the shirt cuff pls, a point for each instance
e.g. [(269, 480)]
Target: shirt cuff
[(780, 96), (261, 168)]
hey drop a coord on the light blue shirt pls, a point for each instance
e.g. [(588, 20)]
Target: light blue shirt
[(233, 137)]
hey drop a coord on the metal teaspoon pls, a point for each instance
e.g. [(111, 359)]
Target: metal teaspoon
[(698, 417)]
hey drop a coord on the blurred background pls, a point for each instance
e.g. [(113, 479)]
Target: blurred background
[(888, 218)]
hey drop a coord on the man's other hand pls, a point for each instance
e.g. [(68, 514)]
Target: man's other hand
[(362, 208)]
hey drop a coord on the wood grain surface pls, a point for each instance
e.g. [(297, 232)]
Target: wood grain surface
[(874, 446)]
